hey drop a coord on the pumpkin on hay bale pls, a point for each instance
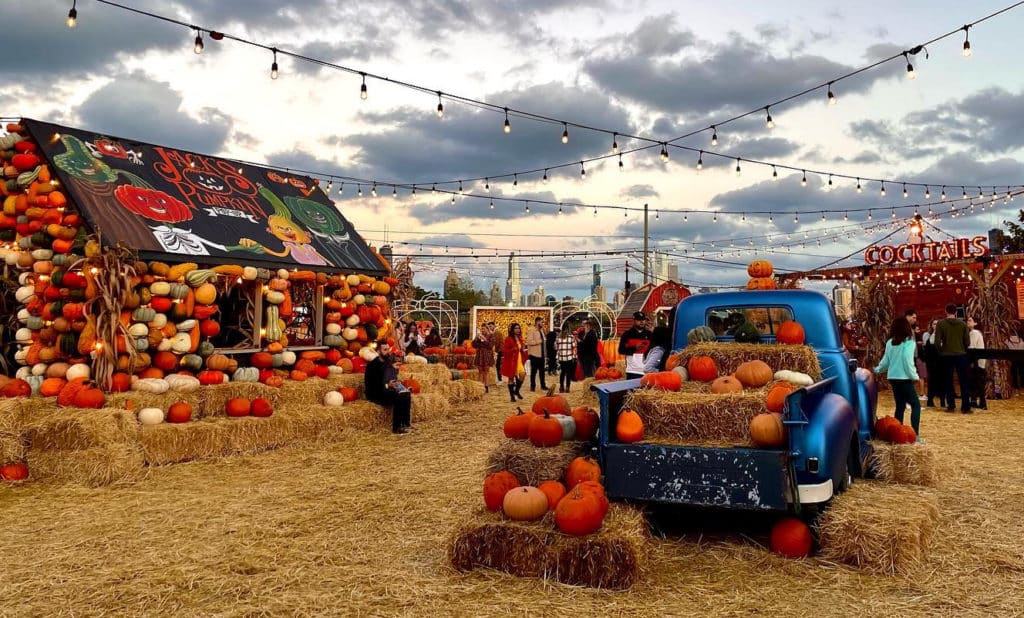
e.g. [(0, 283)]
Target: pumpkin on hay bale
[(530, 464), (610, 558), (700, 417), (879, 528), (905, 464), (214, 397), (729, 356)]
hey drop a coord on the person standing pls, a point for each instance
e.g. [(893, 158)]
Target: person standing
[(898, 363), (933, 367), (1014, 342), (413, 339), (587, 350), (432, 337), (922, 371), (952, 338), (550, 353), (979, 376), (498, 341), (565, 352), (657, 354), (535, 343), (484, 344), (513, 358), (633, 343), (383, 388)]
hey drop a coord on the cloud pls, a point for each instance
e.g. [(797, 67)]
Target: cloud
[(137, 107), (639, 191), (730, 77), (37, 42), (442, 209), (374, 45), (414, 145)]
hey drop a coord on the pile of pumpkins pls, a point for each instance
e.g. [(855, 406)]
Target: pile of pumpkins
[(890, 429), (551, 421), (579, 505), (761, 278)]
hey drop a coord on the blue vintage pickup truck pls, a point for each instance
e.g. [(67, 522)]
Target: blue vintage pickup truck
[(828, 423)]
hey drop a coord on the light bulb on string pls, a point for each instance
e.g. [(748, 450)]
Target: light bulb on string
[(714, 135), (440, 105), (527, 207), (507, 128), (942, 195), (414, 189), (491, 205), (905, 194), (198, 46), (967, 42), (846, 217), (359, 192), (615, 143), (664, 152), (859, 188), (803, 181), (273, 65), (893, 213), (910, 68), (565, 133), (341, 189), (622, 166), (871, 215), (545, 179), (738, 171), (964, 193), (823, 216), (362, 89), (882, 191), (373, 190), (830, 185), (715, 219), (515, 180), (460, 186), (394, 191), (433, 188), (775, 174), (768, 122), (73, 14), (832, 100), (771, 218), (927, 192), (559, 208), (700, 161)]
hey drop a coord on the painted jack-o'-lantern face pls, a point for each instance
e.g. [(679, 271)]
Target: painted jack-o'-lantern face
[(286, 231), (295, 182), (110, 148), (152, 204), (275, 177)]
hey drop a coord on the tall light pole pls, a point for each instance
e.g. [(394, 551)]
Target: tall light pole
[(647, 266)]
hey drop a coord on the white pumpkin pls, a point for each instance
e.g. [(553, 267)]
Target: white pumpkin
[(78, 370), (349, 334), (352, 320), (26, 278), (39, 369), (359, 299), (352, 280), (367, 353), (282, 274), (274, 297), (288, 357), (23, 373), (794, 377), (160, 288), (42, 254), (164, 345), (334, 371), (157, 386), (23, 315), (568, 426), (186, 325), (683, 373), (11, 259), (21, 356), (413, 359), (25, 293), (249, 273), (333, 398), (138, 330), (181, 343), (159, 321), (24, 335), (182, 383), (333, 329), (246, 374), (151, 416)]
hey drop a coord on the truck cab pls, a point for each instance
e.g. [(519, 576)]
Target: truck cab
[(828, 423)]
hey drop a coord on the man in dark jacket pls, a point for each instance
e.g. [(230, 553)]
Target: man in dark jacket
[(383, 388), (587, 349), (550, 350), (634, 341), (952, 338)]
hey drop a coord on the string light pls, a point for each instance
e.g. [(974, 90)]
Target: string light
[(910, 68), (565, 133), (803, 181), (927, 192), (527, 207), (942, 195), (882, 191), (775, 174), (615, 143), (373, 190), (492, 205), (559, 209), (859, 188), (832, 100), (768, 122), (664, 152), (394, 191), (545, 179), (700, 161), (359, 192), (508, 125), (830, 182), (273, 65), (738, 171), (362, 89), (341, 189), (967, 42), (73, 14), (714, 135), (583, 170), (622, 166), (515, 180), (905, 194), (433, 188), (440, 105), (964, 193), (198, 47), (846, 216)]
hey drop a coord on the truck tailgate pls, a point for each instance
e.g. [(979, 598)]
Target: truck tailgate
[(700, 476)]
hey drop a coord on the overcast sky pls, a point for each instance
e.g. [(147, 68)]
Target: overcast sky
[(652, 68)]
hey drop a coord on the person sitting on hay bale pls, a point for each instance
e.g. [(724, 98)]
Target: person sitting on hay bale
[(383, 388)]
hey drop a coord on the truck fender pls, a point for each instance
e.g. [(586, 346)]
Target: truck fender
[(828, 436)]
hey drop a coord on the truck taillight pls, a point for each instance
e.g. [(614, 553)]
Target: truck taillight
[(812, 465)]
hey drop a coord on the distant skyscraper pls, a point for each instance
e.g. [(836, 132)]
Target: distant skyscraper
[(536, 298), (599, 293), (843, 299), (495, 296), (451, 281), (618, 299), (513, 285), (673, 272), (387, 254), (597, 279)]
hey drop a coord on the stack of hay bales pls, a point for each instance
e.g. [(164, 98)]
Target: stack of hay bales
[(879, 528), (729, 356), (532, 465), (906, 464)]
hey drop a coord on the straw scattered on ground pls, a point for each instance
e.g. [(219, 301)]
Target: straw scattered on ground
[(610, 558), (361, 526), (879, 527), (908, 464), (533, 465)]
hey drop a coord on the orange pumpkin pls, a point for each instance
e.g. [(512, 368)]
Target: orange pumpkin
[(554, 490), (629, 427), (238, 406), (261, 360), (51, 387), (579, 513), (886, 426), (89, 397), (413, 385), (790, 332), (904, 434), (776, 400), (554, 404), (767, 430), (517, 426), (662, 380), (726, 385), (349, 393), (180, 412), (120, 382), (587, 422), (702, 368), (760, 268), (761, 283), (66, 397), (791, 537), (496, 486), (261, 407), (754, 374), (545, 431), (582, 469), (211, 377), (151, 372), (298, 376)]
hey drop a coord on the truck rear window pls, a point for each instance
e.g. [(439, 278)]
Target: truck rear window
[(725, 320)]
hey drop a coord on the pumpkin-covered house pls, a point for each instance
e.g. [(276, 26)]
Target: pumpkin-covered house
[(128, 259)]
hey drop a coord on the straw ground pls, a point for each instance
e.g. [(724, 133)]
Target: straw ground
[(361, 527)]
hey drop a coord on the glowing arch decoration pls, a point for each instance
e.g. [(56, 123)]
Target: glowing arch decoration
[(433, 308), (573, 311)]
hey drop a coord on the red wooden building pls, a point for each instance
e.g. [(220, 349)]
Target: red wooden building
[(654, 300)]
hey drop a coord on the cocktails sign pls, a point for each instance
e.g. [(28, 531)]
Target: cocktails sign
[(956, 249)]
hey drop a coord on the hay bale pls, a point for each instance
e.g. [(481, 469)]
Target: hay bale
[(687, 417), (137, 400), (94, 467), (12, 447), (878, 527), (169, 443), (729, 356), (908, 464), (312, 391), (428, 375), (15, 411), (71, 429), (533, 465), (610, 558), (428, 407)]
